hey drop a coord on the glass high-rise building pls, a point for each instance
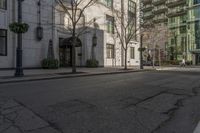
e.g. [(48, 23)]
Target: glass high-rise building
[(155, 22), (183, 23), (194, 30)]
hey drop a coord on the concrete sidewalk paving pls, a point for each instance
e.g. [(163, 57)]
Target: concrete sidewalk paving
[(6, 76), (179, 69)]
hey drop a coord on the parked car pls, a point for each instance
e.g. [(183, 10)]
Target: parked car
[(147, 63)]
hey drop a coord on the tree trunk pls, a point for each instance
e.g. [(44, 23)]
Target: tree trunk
[(159, 57), (154, 58), (73, 57), (125, 63), (74, 51)]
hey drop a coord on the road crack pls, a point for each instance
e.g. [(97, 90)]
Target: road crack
[(171, 112)]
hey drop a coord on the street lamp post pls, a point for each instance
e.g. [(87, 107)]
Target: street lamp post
[(94, 39), (94, 43), (141, 47), (19, 69)]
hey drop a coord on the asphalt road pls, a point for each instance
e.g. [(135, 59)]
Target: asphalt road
[(142, 102)]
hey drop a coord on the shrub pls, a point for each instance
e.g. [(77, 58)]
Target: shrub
[(165, 63), (175, 62), (141, 49), (50, 63), (92, 63), (188, 63)]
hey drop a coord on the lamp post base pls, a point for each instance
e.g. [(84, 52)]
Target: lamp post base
[(19, 72), (141, 67), (19, 68)]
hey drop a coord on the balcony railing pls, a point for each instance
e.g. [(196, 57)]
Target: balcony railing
[(148, 16), (147, 8), (158, 2), (175, 3), (176, 12), (146, 2), (160, 18), (160, 9)]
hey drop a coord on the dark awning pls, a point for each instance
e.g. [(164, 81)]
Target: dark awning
[(67, 42)]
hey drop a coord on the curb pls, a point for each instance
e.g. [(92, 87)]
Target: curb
[(197, 128), (71, 76)]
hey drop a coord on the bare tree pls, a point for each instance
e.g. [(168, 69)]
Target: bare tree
[(74, 9), (126, 28), (156, 40)]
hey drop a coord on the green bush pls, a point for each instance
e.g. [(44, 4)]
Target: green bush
[(188, 63), (165, 63), (92, 63), (156, 63), (141, 49), (50, 63), (175, 62)]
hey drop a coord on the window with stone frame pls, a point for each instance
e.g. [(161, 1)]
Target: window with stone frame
[(109, 3), (3, 4), (3, 42), (196, 2), (132, 52), (132, 18), (132, 6), (110, 51), (110, 24)]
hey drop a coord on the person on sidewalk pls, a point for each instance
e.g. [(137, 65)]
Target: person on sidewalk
[(183, 62)]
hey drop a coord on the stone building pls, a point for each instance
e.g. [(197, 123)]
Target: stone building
[(41, 14)]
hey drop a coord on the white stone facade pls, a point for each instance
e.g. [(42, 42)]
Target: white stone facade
[(34, 51)]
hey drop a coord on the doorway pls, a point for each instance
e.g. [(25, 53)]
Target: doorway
[(65, 50), (65, 54), (198, 59)]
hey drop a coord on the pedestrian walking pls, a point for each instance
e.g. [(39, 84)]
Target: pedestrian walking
[(183, 62)]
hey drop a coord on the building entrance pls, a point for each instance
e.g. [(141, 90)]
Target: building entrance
[(198, 59), (65, 55), (65, 50)]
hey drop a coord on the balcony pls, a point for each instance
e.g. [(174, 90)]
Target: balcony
[(148, 24), (176, 12), (148, 16), (160, 19), (145, 2), (147, 8), (160, 9), (175, 3), (176, 25), (158, 2)]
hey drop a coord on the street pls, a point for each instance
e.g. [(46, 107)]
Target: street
[(140, 102)]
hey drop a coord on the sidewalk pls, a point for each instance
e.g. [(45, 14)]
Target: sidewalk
[(6, 76), (179, 68)]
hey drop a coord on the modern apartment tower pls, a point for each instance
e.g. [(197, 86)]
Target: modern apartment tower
[(147, 10), (159, 11), (193, 21), (177, 24), (182, 19), (184, 25), (155, 25)]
